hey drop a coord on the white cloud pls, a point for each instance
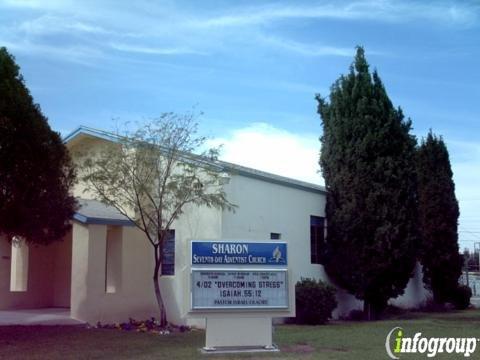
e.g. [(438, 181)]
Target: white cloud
[(208, 31), (382, 11), (278, 151), (78, 54), (457, 13), (307, 49), (37, 4), (154, 50), (49, 24)]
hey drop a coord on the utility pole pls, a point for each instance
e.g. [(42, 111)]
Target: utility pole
[(466, 257), (476, 251)]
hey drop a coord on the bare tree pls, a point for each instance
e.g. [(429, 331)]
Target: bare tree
[(150, 174)]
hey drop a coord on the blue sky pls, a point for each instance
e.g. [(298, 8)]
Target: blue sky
[(253, 68)]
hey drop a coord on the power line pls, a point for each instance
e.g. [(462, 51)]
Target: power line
[(473, 233)]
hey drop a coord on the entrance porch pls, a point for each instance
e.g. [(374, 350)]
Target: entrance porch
[(100, 271)]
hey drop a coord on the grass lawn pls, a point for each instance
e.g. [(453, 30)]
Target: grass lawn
[(338, 340)]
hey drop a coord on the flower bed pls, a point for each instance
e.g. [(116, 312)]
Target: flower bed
[(151, 326)]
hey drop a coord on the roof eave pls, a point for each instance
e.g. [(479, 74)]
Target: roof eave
[(101, 221)]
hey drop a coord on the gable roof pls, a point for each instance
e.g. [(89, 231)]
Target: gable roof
[(225, 166)]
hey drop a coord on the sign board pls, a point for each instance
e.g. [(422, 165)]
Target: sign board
[(239, 253), (231, 279), (228, 289)]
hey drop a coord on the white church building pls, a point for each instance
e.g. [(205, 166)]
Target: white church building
[(102, 270)]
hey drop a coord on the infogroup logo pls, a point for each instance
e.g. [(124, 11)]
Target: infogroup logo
[(396, 344)]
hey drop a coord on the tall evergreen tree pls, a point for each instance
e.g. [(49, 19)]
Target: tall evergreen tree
[(368, 162), (36, 173), (438, 218)]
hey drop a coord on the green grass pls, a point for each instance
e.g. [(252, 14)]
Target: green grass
[(338, 340)]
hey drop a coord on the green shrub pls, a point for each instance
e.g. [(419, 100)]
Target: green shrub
[(355, 315), (315, 301), (430, 306), (461, 297)]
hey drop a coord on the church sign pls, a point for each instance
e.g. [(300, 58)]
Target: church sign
[(238, 286), (239, 253), (239, 275)]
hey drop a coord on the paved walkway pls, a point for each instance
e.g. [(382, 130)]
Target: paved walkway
[(475, 301), (47, 316)]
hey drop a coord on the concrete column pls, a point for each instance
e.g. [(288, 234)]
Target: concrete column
[(88, 270)]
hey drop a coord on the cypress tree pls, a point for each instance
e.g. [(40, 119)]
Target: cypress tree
[(438, 219), (368, 162), (36, 173)]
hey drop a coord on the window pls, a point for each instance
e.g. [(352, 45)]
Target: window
[(316, 238), (19, 265), (168, 259), (275, 236), (113, 260)]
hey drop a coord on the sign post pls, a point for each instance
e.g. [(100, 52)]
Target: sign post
[(239, 286)]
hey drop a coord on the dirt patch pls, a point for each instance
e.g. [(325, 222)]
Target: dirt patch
[(303, 348), (333, 350), (298, 349)]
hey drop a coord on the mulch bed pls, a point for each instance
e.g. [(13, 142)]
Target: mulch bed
[(151, 326)]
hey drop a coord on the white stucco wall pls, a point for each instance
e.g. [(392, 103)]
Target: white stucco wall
[(415, 293), (134, 296), (264, 207), (80, 149), (48, 279)]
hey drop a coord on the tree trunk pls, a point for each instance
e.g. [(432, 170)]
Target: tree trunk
[(156, 284), (373, 309), (367, 310)]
